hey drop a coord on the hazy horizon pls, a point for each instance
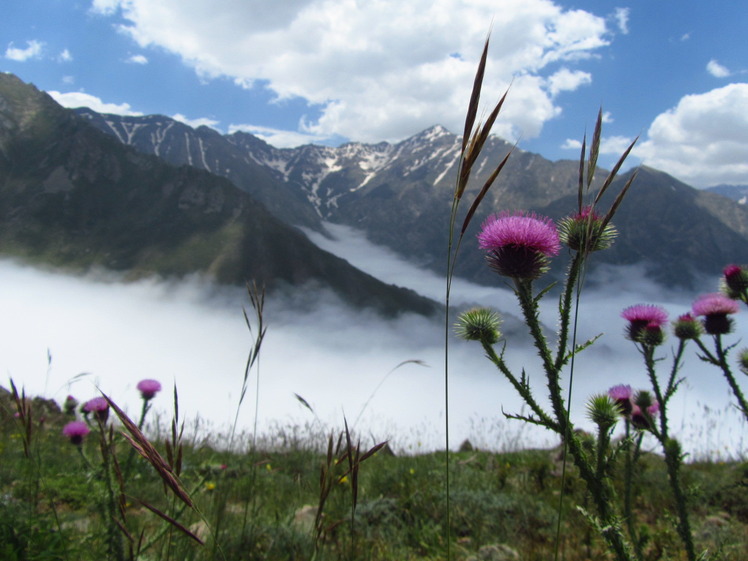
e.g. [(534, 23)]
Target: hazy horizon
[(339, 360)]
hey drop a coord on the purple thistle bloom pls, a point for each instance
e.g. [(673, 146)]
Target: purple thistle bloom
[(519, 243), (715, 308), (99, 406), (76, 431), (645, 314), (148, 388), (645, 322), (621, 394)]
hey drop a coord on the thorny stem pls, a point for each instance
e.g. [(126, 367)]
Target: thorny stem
[(670, 447), (523, 390), (600, 488), (721, 362), (628, 511)]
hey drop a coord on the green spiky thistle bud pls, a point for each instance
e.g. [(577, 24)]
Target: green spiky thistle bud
[(603, 411), (479, 324), (687, 327), (743, 361), (584, 231)]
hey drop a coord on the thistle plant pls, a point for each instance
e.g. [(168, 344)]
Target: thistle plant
[(519, 246), (645, 329), (716, 309)]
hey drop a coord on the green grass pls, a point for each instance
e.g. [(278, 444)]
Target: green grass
[(248, 504)]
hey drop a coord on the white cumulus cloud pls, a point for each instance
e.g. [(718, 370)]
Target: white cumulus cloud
[(81, 99), (621, 16), (33, 50), (379, 70), (703, 140), (717, 70), (277, 138), (137, 59), (195, 123)]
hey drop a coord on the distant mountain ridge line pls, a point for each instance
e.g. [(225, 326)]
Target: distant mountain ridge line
[(399, 195), (74, 197)]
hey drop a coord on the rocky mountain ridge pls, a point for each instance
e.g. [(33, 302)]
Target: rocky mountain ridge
[(73, 197), (400, 194)]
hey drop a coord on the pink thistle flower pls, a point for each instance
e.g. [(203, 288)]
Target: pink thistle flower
[(76, 431), (639, 419), (148, 388), (645, 323), (715, 308), (519, 243), (622, 394), (735, 282), (99, 407)]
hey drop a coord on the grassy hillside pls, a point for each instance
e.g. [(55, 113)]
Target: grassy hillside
[(58, 500)]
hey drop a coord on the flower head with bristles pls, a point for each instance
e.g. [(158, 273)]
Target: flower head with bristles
[(715, 308), (621, 395), (645, 323), (687, 327), (148, 388), (479, 324), (603, 411), (76, 431), (735, 282), (519, 244), (584, 231), (99, 407)]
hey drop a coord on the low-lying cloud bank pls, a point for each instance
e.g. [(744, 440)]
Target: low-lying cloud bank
[(385, 376)]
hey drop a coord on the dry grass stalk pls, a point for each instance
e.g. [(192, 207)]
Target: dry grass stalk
[(143, 446)]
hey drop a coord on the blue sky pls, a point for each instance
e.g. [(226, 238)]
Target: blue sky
[(298, 71)]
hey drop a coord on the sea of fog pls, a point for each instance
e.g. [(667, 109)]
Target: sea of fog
[(62, 334)]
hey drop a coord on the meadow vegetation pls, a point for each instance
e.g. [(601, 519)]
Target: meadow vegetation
[(93, 500), (86, 481)]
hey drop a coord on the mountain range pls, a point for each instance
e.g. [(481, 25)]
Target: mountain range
[(74, 197), (148, 194), (400, 195)]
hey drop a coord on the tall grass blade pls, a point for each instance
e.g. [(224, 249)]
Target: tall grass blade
[(143, 446), (472, 111), (171, 521), (481, 195), (595, 148)]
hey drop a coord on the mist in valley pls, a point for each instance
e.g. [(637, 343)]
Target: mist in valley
[(64, 334)]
